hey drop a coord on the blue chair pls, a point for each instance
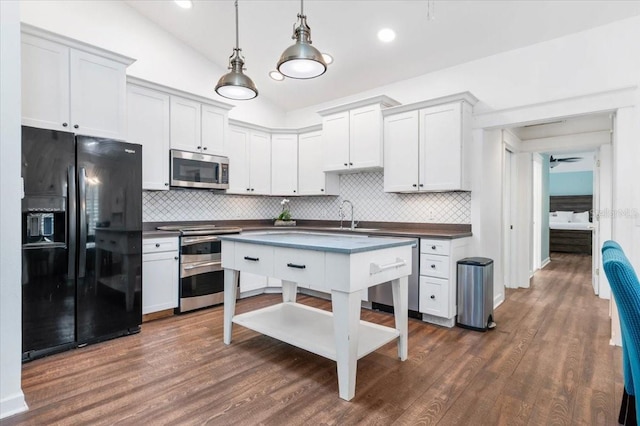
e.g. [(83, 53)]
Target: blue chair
[(626, 291)]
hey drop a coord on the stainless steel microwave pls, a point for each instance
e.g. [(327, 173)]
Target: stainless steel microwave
[(194, 170)]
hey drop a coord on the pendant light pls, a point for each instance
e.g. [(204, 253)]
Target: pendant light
[(235, 84), (301, 60)]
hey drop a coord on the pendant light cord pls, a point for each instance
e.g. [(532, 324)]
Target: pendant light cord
[(237, 37), (301, 7)]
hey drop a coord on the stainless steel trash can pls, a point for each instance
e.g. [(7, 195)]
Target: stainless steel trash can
[(475, 293)]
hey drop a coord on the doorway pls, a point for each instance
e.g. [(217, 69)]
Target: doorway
[(548, 144)]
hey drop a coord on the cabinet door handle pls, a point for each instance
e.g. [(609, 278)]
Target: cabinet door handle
[(293, 265), (166, 184), (415, 185), (433, 266), (157, 244), (321, 189), (75, 126), (176, 257), (433, 247), (294, 191), (433, 296), (204, 147), (199, 147), (248, 189), (253, 259), (351, 164), (64, 124), (421, 185), (346, 164), (252, 189)]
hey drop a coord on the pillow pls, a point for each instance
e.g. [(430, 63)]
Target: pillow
[(582, 217), (563, 217)]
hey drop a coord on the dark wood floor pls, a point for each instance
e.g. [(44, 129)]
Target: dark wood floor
[(547, 362)]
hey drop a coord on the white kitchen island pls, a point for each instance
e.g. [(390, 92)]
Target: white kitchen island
[(338, 264)]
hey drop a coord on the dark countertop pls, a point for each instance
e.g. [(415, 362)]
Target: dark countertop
[(395, 229), (159, 234)]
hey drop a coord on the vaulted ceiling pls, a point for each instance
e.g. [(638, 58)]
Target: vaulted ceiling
[(453, 32)]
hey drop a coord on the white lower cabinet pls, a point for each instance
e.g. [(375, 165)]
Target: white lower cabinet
[(438, 278), (252, 284), (160, 269)]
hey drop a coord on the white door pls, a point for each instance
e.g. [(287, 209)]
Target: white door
[(595, 244), (45, 84), (284, 164), (260, 163), (185, 124), (441, 147), (507, 221), (603, 222), (237, 146), (98, 95), (335, 141), (148, 125), (536, 213), (214, 125), (365, 137), (401, 142)]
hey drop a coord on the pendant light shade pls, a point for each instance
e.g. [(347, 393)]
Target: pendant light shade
[(235, 84), (301, 60)]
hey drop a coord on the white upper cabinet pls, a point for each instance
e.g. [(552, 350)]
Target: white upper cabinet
[(426, 145), (148, 124), (312, 180), (401, 135), (352, 135), (284, 164), (335, 138), (214, 129), (249, 154), (72, 87), (185, 124), (197, 126)]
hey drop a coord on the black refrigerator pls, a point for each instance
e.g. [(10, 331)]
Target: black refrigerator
[(81, 240)]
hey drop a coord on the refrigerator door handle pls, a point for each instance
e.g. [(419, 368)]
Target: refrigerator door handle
[(82, 195), (72, 208)]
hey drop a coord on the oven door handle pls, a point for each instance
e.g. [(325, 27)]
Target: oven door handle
[(187, 241), (201, 265)]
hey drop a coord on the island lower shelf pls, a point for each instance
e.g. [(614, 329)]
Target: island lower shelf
[(311, 329)]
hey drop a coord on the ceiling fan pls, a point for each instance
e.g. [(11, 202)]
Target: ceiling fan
[(553, 161)]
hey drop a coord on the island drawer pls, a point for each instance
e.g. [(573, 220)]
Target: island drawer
[(255, 259), (305, 267), (432, 246), (434, 265)]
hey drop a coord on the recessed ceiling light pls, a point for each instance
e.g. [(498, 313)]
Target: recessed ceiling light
[(327, 58), (386, 35), (185, 4), (276, 76)]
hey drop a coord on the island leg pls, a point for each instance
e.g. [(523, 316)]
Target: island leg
[(289, 291), (400, 306), (346, 321), (230, 291)]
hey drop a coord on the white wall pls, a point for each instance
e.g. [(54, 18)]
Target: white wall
[(11, 397), (587, 62), (161, 58)]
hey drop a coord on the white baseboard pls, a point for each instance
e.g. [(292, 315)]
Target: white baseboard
[(13, 405)]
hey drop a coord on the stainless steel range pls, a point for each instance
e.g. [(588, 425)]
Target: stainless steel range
[(201, 273)]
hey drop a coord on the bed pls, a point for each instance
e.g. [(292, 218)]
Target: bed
[(570, 224)]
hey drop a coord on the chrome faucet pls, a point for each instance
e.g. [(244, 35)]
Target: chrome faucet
[(353, 223)]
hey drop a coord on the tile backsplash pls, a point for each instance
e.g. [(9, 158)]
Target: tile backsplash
[(364, 190)]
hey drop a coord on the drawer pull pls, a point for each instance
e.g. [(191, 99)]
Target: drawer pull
[(293, 265), (157, 244), (433, 247), (433, 266), (253, 259), (433, 296), (375, 268)]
